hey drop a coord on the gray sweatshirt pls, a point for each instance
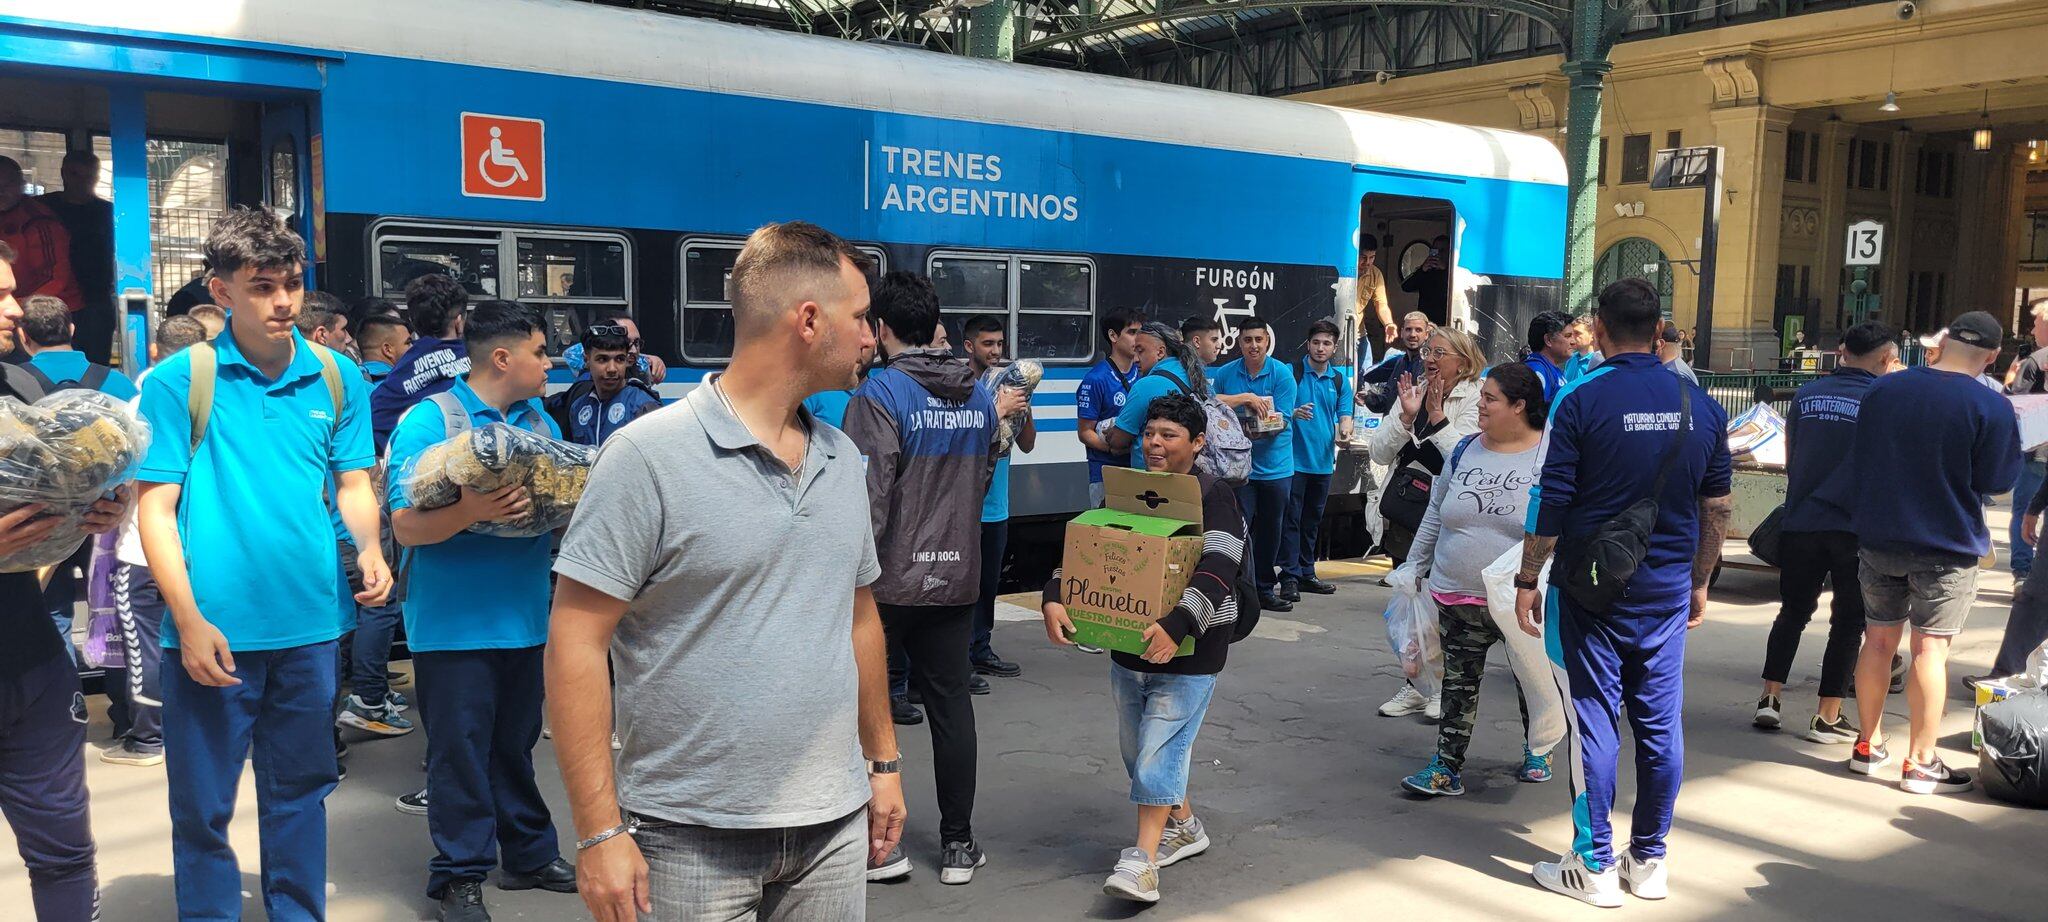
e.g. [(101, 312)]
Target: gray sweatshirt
[(1477, 510)]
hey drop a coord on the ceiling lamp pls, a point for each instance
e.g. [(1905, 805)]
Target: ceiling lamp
[(1891, 102), (1980, 140)]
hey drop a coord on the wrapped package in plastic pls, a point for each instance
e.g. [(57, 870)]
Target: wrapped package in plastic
[(64, 452), (496, 456), (2014, 757), (1024, 375)]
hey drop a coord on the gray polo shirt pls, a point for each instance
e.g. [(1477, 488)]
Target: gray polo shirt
[(737, 696)]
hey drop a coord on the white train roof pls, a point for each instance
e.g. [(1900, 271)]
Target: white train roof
[(585, 40)]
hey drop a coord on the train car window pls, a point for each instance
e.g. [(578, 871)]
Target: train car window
[(1046, 302), (972, 285), (707, 299), (572, 269), (474, 263), (1053, 336), (1044, 285)]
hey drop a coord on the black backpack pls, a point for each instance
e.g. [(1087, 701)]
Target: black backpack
[(95, 375), (1604, 563), (1247, 592)]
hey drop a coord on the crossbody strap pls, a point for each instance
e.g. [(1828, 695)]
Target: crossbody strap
[(1671, 452)]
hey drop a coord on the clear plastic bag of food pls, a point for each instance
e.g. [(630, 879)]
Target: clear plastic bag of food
[(64, 452), (1023, 375), (496, 456)]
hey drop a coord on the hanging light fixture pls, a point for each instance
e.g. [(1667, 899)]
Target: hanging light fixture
[(1980, 140), (1891, 102)]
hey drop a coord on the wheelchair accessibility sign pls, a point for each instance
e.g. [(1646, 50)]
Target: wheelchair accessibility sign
[(504, 156)]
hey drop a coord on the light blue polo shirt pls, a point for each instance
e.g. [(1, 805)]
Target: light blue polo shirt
[(70, 365), (470, 592), (253, 512), (1273, 457), (1150, 386), (1315, 438)]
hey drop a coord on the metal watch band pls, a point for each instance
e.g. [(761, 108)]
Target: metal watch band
[(891, 767), (629, 827)]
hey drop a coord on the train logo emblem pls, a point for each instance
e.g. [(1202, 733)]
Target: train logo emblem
[(504, 156)]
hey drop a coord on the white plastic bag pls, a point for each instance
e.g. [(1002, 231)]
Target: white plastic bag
[(1413, 633), (1526, 654), (497, 456)]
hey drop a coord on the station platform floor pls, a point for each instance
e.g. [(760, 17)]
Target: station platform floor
[(1296, 778)]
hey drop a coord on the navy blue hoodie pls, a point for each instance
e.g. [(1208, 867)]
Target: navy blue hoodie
[(428, 368), (1820, 433), (1930, 445)]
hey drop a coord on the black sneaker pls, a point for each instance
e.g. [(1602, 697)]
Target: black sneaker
[(914, 696), (998, 667), (1769, 712), (1898, 674), (413, 804), (1290, 590), (1868, 757), (556, 876), (978, 685), (1933, 778), (904, 713), (1974, 682), (1838, 731), (463, 901), (1317, 586), (961, 859), (1272, 602)]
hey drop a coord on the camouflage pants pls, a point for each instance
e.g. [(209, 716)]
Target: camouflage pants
[(1468, 632)]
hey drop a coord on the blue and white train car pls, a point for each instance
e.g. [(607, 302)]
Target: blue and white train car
[(587, 159)]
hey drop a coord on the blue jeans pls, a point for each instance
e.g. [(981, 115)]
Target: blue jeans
[(1309, 494), (1158, 716), (42, 790), (2032, 474), (483, 715), (794, 874), (284, 706), (370, 651), (1264, 503)]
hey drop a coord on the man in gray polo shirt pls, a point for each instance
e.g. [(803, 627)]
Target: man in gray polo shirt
[(722, 555)]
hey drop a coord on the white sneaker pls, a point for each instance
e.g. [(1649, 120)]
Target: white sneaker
[(1133, 878), (1568, 875), (1182, 840), (1648, 880), (1435, 709), (1405, 702)]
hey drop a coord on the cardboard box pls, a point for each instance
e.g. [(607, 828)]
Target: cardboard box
[(1126, 564), (1987, 693)]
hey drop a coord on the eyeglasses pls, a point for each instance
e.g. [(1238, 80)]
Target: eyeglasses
[(1437, 352), (613, 329)]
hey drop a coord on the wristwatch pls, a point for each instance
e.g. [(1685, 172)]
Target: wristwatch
[(1524, 582), (890, 767)]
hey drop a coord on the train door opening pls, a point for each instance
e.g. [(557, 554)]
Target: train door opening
[(168, 165), (1416, 237)]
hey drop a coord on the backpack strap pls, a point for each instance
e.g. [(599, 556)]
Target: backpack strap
[(95, 376), (47, 383), (330, 373), (199, 396), (24, 380), (1458, 452), (454, 418)]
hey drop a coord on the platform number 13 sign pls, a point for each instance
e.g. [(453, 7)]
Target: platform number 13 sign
[(1866, 244)]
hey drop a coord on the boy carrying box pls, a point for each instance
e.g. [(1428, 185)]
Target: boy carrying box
[(1162, 694)]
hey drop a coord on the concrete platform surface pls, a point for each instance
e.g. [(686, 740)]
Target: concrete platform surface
[(1295, 775)]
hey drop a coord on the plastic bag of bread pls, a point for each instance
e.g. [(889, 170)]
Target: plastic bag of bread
[(1024, 375), (496, 456), (64, 452)]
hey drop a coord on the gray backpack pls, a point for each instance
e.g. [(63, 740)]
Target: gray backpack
[(1227, 450)]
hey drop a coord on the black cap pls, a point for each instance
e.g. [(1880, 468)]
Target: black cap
[(1670, 333), (1976, 328)]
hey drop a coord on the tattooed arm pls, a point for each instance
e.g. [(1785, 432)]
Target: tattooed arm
[(1529, 602), (1715, 511)]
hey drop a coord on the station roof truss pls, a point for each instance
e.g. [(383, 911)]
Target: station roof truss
[(1262, 47)]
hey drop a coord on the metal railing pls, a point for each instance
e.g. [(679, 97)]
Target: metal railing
[(1738, 391)]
